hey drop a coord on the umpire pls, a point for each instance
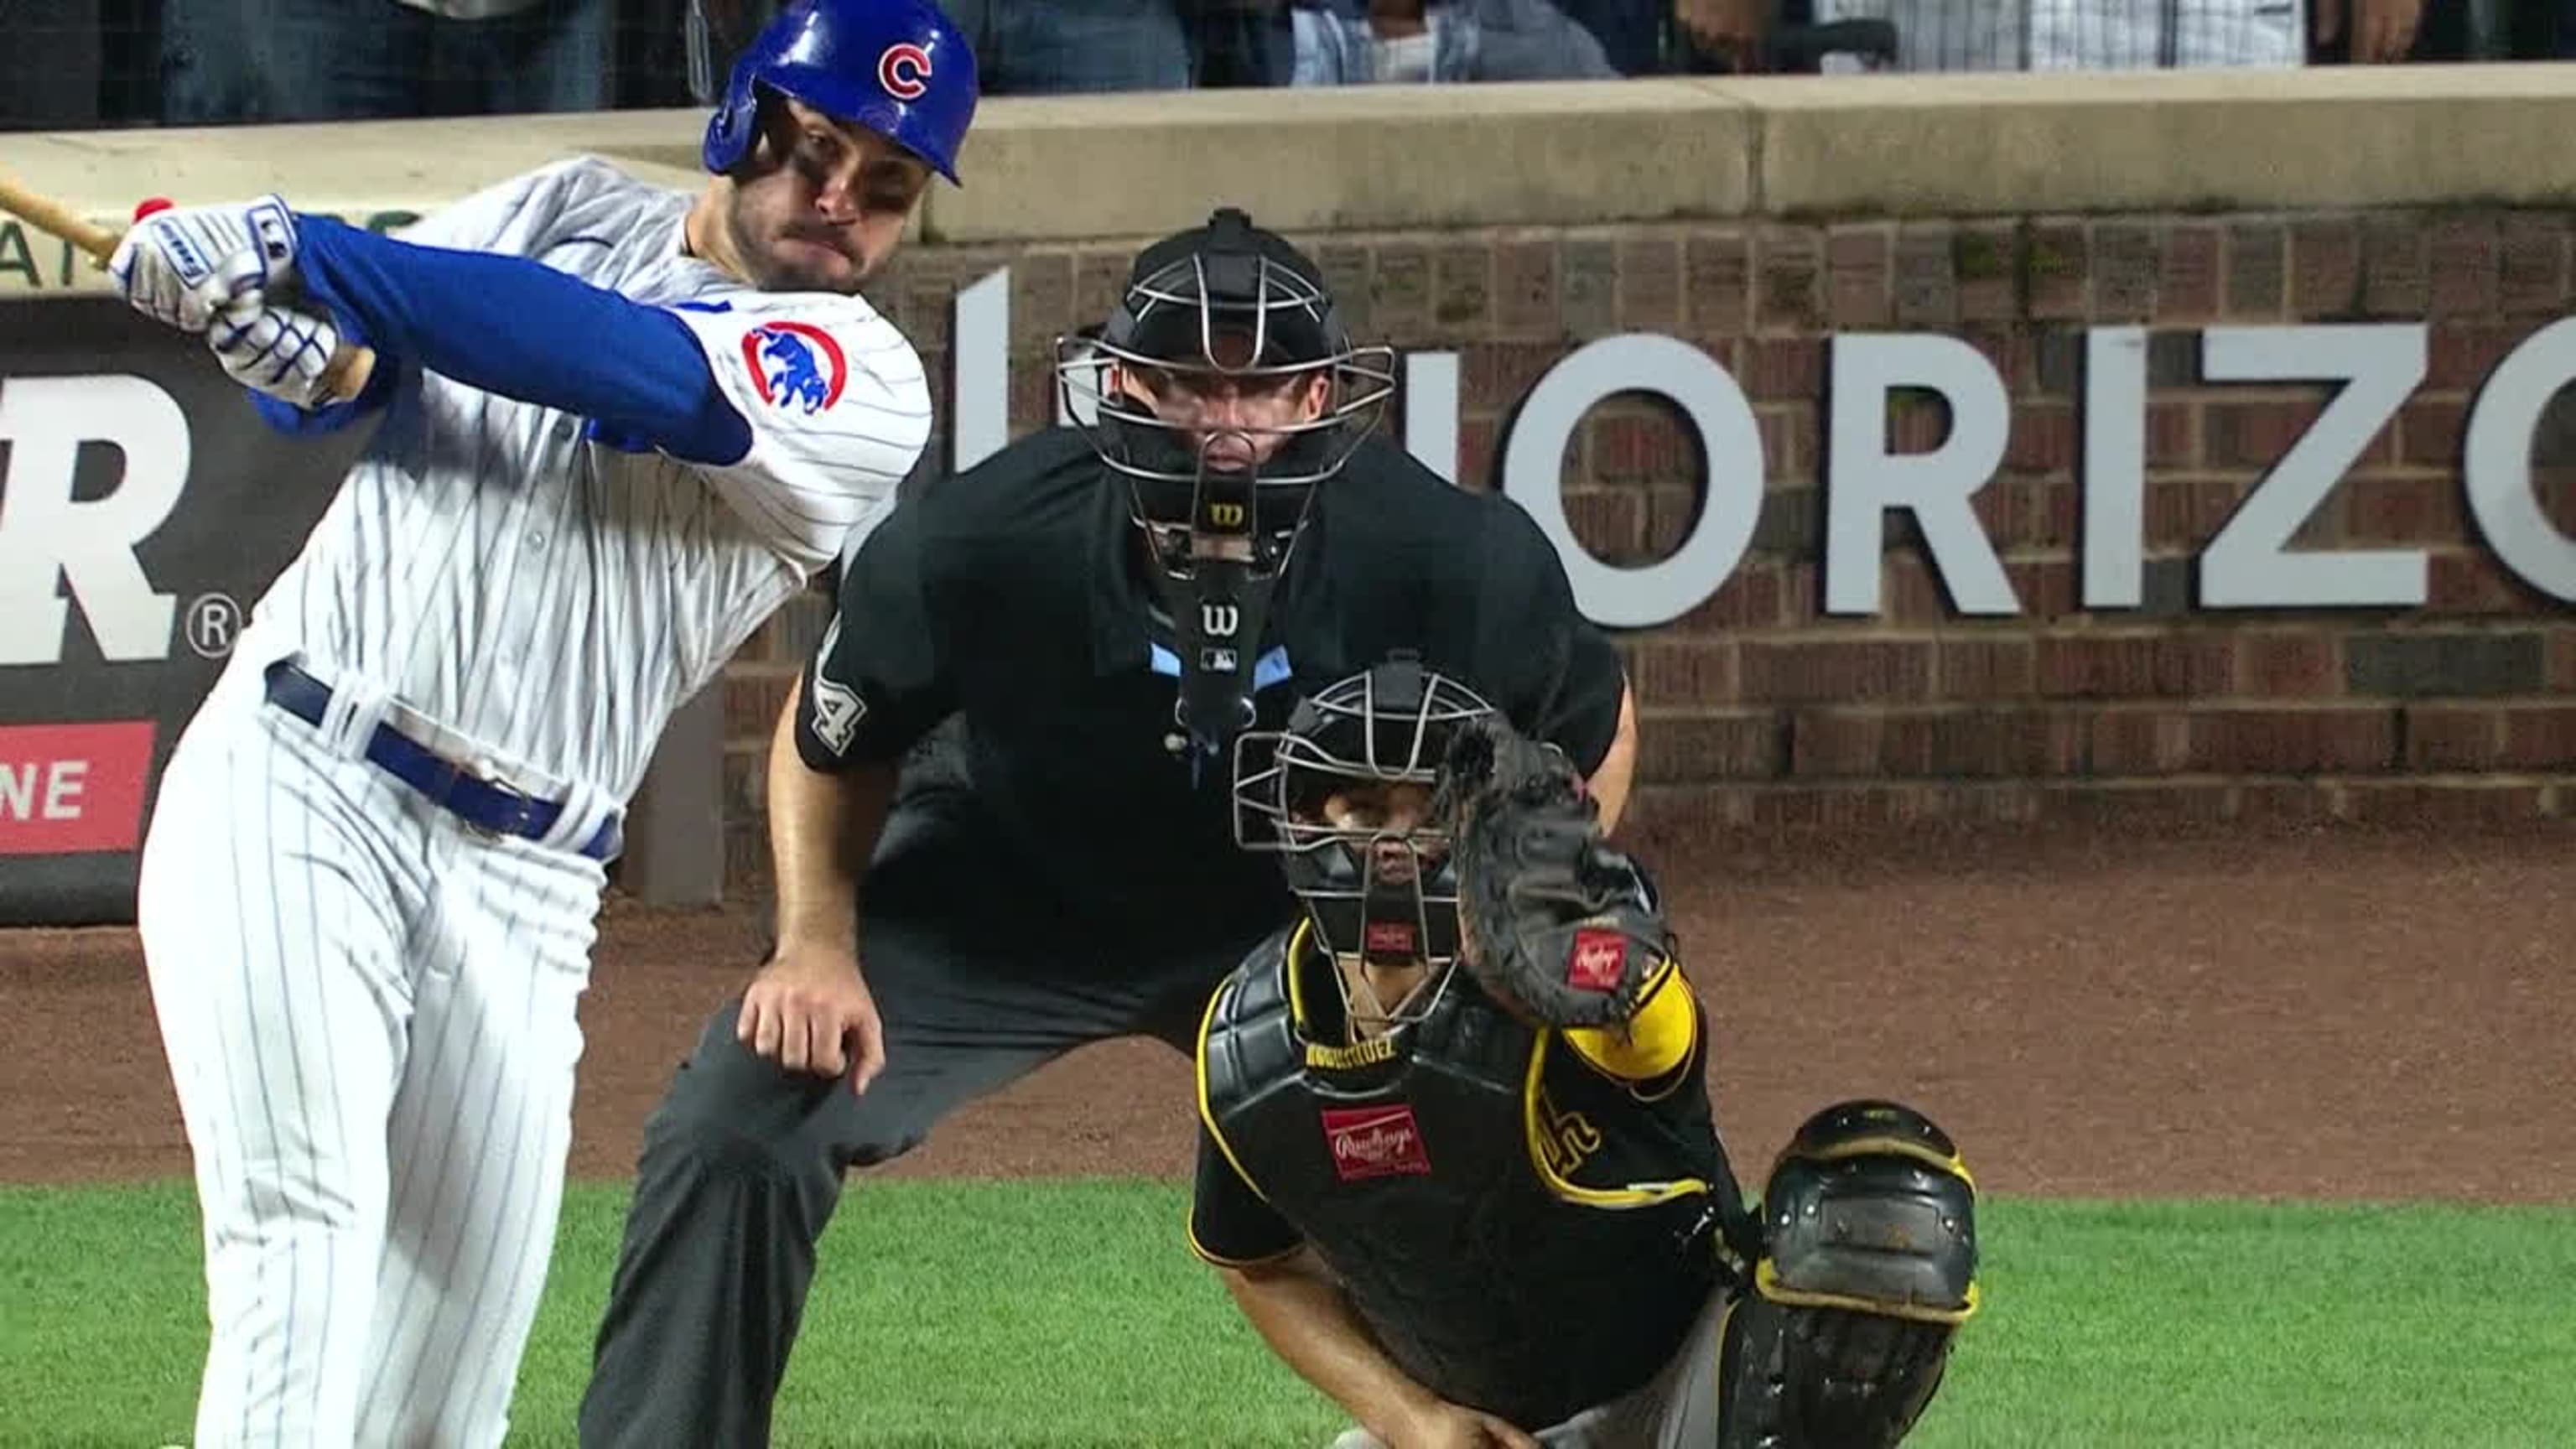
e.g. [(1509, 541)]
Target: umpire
[(1104, 608)]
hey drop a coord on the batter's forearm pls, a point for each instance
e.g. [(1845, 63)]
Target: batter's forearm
[(822, 831), (1309, 1322), (519, 328)]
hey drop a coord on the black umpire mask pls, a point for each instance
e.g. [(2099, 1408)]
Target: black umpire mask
[(1201, 392)]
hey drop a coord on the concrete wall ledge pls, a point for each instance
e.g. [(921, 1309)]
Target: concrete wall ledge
[(1438, 158)]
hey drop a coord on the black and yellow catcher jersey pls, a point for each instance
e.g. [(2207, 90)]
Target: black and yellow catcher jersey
[(1524, 1218)]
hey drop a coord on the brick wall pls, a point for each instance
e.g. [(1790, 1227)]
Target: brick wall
[(1758, 710)]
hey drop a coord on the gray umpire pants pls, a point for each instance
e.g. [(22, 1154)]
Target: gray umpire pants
[(742, 1161)]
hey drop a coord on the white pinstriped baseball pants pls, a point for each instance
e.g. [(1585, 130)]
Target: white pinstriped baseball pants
[(370, 1018)]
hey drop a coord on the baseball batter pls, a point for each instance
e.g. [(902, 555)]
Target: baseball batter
[(615, 427), (1457, 1162)]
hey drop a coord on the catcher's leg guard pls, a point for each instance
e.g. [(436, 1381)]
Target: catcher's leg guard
[(1869, 1267)]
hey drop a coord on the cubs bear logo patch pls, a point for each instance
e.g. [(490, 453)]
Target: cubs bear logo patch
[(795, 364)]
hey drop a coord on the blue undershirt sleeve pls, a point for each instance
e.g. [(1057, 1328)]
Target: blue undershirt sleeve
[(523, 330)]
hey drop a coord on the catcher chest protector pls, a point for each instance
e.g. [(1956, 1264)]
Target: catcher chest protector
[(1412, 1171), (1869, 1269), (895, 67)]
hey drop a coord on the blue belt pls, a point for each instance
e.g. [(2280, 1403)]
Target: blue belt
[(494, 809)]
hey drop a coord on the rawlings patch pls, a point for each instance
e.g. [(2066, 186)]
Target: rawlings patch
[(1369, 1142), (1598, 961), (795, 364)]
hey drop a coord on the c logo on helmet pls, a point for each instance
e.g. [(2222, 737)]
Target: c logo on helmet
[(904, 71)]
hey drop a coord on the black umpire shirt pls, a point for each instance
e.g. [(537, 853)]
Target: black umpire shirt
[(1012, 595)]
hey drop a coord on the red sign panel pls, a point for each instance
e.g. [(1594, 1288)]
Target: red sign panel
[(73, 788)]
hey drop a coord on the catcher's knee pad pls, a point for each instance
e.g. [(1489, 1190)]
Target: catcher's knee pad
[(1868, 1268)]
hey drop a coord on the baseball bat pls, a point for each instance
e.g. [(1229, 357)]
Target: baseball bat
[(349, 368)]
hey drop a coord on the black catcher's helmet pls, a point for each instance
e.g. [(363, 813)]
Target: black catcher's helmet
[(1391, 725)]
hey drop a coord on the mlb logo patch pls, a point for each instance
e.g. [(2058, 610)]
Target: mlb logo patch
[(1598, 960), (1369, 1142), (795, 365)]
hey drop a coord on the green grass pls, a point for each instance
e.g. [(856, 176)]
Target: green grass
[(1026, 1314)]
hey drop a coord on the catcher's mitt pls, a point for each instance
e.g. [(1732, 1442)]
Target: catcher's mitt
[(1552, 922)]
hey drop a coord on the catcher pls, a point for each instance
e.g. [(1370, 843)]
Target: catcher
[(1456, 1157)]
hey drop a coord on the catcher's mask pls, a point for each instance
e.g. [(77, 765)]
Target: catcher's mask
[(1217, 323), (1385, 894)]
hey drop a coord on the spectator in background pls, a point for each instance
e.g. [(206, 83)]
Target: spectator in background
[(230, 61), (50, 73), (1054, 47), (1631, 32), (1241, 42), (1364, 42), (2039, 35), (1060, 47), (2372, 32)]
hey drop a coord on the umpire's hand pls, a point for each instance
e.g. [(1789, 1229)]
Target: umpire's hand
[(809, 1011)]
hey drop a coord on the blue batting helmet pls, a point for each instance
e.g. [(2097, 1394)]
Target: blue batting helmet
[(895, 67)]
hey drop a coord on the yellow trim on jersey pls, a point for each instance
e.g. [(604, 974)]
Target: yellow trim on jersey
[(1207, 1115), (1634, 1195), (1766, 1281), (1222, 1261), (1653, 1043)]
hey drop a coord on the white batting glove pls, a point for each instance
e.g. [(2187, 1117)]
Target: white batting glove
[(182, 266), (278, 350)]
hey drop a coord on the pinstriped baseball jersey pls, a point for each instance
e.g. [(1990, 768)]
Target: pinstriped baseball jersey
[(369, 1008), (551, 596)]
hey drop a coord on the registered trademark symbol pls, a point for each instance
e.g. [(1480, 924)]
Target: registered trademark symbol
[(213, 620)]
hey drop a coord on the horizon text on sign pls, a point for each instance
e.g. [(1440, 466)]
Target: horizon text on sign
[(2249, 564)]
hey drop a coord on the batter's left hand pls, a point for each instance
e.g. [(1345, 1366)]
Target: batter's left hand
[(282, 351), (182, 266)]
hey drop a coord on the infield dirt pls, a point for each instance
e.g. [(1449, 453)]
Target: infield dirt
[(2329, 1014)]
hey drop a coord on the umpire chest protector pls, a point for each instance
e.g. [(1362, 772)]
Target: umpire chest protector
[(1430, 1169)]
